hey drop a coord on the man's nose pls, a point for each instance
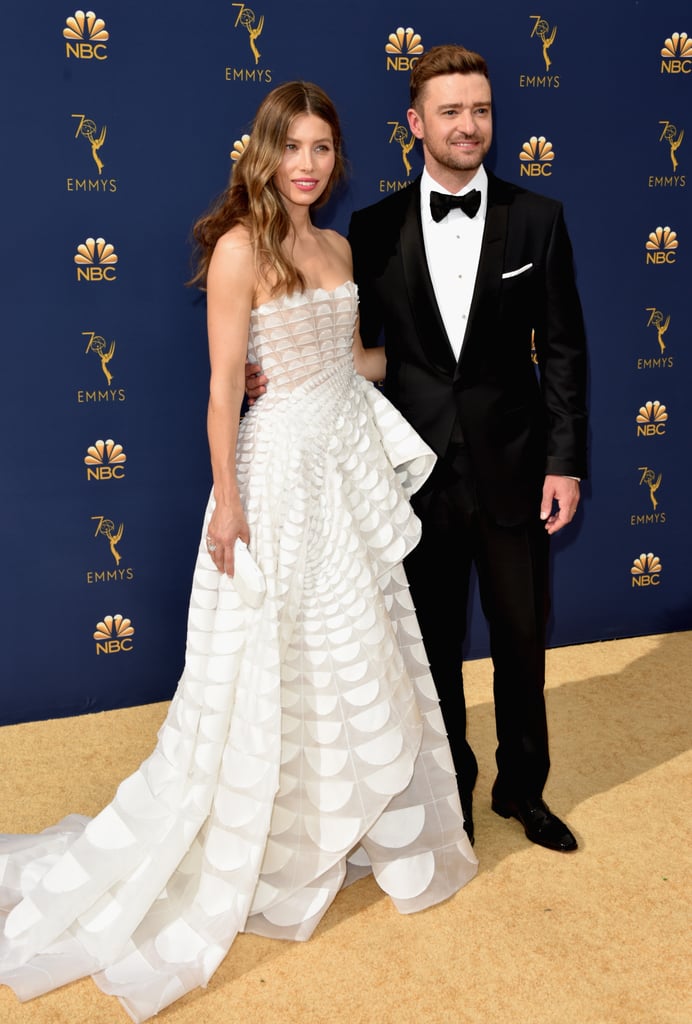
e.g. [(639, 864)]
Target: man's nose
[(466, 122)]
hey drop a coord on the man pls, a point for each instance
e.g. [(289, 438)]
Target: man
[(460, 298), (459, 301)]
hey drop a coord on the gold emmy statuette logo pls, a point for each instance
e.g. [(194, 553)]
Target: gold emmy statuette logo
[(673, 137), (403, 49), (246, 18), (405, 140), (646, 571), (534, 353), (661, 246), (85, 36), (95, 259), (239, 147), (106, 528), (677, 55), (100, 346), (113, 634), (105, 460), (659, 324), (87, 128), (546, 34), (653, 483), (536, 155), (651, 420)]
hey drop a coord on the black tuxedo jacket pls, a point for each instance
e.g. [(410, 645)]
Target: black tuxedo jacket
[(519, 420)]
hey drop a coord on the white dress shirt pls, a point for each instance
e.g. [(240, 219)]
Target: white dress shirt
[(452, 249)]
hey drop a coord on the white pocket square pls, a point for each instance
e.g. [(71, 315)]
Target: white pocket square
[(515, 273)]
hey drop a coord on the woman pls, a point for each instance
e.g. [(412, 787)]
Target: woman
[(304, 745)]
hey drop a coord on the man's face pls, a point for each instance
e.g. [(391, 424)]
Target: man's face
[(453, 119)]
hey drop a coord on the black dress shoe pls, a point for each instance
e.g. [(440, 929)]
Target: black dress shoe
[(540, 824)]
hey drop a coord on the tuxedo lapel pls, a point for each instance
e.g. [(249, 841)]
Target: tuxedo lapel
[(429, 325), (485, 303)]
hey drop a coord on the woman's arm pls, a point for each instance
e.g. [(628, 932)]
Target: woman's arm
[(230, 291)]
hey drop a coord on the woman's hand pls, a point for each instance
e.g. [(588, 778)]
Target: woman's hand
[(226, 524)]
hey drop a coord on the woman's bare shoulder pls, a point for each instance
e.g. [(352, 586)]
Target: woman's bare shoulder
[(339, 250), (236, 238), (232, 262), (336, 240)]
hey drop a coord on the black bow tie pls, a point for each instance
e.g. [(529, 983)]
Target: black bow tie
[(441, 204)]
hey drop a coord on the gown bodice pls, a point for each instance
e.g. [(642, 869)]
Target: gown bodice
[(303, 336)]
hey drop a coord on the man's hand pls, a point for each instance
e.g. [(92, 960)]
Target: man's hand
[(255, 382), (564, 492)]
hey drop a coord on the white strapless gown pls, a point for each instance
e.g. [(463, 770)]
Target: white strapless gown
[(304, 745)]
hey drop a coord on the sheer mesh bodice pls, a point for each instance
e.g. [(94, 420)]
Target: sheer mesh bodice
[(300, 338)]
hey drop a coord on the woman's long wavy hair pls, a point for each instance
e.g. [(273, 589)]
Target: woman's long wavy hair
[(252, 198)]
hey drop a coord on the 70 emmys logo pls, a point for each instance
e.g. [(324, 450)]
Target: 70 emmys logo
[(86, 36), (405, 47)]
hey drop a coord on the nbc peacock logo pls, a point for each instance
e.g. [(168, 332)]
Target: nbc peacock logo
[(239, 147), (403, 48), (661, 246), (105, 460), (646, 570), (113, 634), (85, 36), (536, 157), (652, 419), (96, 259), (676, 55)]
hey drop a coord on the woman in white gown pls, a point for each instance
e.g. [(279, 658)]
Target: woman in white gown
[(304, 745)]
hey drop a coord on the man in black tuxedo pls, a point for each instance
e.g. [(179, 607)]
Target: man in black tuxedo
[(461, 298)]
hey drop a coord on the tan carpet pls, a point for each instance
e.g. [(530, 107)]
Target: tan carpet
[(601, 936)]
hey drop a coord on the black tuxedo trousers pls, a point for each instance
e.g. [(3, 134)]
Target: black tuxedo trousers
[(511, 564)]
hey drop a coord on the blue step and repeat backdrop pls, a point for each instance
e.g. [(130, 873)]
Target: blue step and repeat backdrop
[(119, 127)]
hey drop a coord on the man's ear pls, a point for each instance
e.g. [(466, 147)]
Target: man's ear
[(415, 123)]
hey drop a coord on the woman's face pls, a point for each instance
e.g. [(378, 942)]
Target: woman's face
[(308, 161)]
